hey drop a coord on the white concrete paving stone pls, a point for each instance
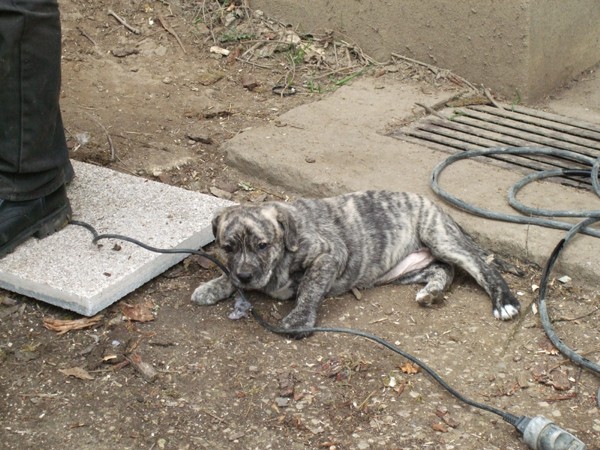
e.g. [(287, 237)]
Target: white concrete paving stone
[(67, 270)]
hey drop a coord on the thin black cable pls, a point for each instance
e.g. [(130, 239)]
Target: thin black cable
[(98, 237), (506, 416)]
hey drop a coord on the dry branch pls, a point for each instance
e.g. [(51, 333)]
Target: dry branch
[(170, 30), (123, 22)]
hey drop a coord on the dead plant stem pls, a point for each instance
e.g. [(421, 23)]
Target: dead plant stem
[(123, 22)]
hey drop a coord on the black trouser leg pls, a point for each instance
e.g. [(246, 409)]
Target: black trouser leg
[(33, 153)]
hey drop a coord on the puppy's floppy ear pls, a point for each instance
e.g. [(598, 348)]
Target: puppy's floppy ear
[(216, 221), (290, 232)]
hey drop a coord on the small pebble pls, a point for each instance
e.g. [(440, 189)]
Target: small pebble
[(282, 402), (565, 279)]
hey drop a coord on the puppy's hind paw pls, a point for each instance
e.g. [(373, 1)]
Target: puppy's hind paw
[(427, 297), (506, 312)]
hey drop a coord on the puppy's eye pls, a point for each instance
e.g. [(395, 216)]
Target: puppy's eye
[(227, 248), (262, 245)]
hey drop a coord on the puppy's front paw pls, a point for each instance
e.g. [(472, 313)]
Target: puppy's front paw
[(296, 320), (203, 295), (213, 291)]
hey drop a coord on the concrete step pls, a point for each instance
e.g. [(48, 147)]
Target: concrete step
[(342, 144)]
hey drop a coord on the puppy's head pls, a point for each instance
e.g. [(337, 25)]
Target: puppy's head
[(254, 239)]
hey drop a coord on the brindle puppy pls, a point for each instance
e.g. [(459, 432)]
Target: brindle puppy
[(312, 249)]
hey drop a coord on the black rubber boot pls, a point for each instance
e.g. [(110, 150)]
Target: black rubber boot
[(40, 218)]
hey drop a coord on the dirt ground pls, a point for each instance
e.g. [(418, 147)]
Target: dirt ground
[(204, 381)]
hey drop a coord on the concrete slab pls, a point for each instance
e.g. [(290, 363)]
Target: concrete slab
[(338, 145), (67, 270)]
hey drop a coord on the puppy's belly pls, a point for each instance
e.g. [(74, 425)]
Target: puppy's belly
[(415, 261)]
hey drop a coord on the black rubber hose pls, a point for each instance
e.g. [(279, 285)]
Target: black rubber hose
[(545, 317), (581, 227), (508, 417), (455, 201)]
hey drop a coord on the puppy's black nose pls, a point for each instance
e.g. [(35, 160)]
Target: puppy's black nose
[(244, 277)]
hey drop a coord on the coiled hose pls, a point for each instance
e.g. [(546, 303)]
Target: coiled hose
[(590, 217)]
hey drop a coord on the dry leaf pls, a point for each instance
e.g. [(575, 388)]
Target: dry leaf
[(441, 411), (399, 389), (142, 312), (448, 420), (559, 380), (145, 369), (442, 428), (410, 368), (547, 347), (62, 326), (77, 372)]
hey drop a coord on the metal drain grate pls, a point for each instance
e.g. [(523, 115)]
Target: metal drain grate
[(479, 127)]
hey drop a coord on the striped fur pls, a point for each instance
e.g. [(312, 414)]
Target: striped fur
[(314, 248)]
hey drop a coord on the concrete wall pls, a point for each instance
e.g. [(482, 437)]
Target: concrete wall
[(519, 48), (565, 40)]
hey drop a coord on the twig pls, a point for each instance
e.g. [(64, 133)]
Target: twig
[(432, 68), (83, 33), (435, 70), (208, 24), (488, 94), (365, 401), (122, 22), (254, 47), (566, 360), (113, 153), (39, 395), (573, 319), (559, 398), (431, 111), (166, 26), (214, 416), (460, 80), (245, 61), (365, 59), (167, 4), (336, 71), (335, 53)]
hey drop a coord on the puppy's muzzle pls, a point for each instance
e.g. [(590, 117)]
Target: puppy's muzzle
[(244, 277)]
